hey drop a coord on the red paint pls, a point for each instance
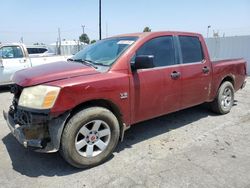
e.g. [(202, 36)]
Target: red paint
[(151, 92), (49, 72), (93, 138)]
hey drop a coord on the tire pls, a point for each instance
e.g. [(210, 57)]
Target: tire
[(90, 137), (224, 99)]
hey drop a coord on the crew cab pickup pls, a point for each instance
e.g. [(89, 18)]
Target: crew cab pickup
[(14, 57), (82, 107)]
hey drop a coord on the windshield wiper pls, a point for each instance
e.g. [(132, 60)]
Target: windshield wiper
[(94, 62), (88, 62), (102, 64), (84, 61)]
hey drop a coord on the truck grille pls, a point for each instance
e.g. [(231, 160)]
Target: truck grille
[(16, 90)]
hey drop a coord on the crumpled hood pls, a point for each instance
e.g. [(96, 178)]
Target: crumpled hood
[(51, 72)]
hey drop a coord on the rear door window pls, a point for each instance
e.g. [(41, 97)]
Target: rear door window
[(191, 49), (36, 50), (42, 50)]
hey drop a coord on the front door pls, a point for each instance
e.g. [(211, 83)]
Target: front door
[(156, 91)]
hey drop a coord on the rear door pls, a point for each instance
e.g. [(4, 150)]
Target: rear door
[(13, 59), (154, 91), (195, 72)]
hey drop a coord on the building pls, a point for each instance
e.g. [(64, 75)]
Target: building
[(68, 47), (230, 47)]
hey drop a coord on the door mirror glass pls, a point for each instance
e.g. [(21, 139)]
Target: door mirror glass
[(143, 62)]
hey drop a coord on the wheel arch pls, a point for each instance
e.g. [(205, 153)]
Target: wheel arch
[(101, 103), (229, 78)]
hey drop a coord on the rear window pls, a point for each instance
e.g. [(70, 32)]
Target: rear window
[(36, 50), (191, 49)]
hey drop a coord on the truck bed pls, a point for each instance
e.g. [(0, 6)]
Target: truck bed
[(228, 68)]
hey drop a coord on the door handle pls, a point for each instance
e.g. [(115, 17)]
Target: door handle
[(205, 69), (175, 75), (23, 61)]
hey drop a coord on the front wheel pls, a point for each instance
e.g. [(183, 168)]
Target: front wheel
[(224, 99), (90, 137)]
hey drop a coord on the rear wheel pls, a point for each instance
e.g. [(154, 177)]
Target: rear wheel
[(90, 137), (225, 99)]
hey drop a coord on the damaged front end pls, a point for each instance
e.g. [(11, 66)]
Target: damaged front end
[(36, 129)]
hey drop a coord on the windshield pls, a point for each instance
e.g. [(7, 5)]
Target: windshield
[(104, 52)]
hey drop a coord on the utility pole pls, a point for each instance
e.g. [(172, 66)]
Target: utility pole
[(208, 27), (21, 40), (59, 41), (100, 19), (83, 27)]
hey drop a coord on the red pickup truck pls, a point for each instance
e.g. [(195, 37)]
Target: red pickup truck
[(83, 106)]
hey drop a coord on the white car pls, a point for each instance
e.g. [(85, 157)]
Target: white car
[(14, 57), (39, 51)]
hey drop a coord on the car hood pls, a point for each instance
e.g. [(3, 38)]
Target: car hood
[(51, 72)]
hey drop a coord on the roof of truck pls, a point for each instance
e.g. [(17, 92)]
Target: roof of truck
[(144, 34), (11, 44)]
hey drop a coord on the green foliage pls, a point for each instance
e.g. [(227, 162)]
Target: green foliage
[(84, 38), (37, 43), (147, 29), (93, 41)]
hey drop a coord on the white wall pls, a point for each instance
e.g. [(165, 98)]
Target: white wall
[(230, 47)]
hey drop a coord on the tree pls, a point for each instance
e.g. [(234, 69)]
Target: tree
[(84, 38), (37, 43), (147, 29), (93, 41)]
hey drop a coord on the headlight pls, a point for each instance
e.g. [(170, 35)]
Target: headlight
[(39, 97)]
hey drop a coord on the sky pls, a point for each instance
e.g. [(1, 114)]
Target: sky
[(38, 21)]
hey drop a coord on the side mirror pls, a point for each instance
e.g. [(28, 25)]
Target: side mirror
[(144, 62)]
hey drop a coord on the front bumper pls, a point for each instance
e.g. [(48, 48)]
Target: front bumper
[(18, 133), (44, 136)]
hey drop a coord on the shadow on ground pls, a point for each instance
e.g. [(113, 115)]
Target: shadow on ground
[(34, 164), (151, 128)]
